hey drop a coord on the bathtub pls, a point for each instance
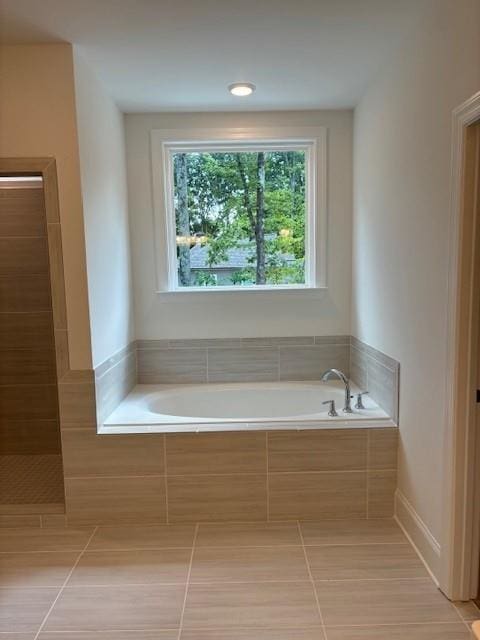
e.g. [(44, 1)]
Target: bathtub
[(238, 406)]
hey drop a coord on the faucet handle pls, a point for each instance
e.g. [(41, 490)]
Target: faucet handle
[(359, 402), (331, 410)]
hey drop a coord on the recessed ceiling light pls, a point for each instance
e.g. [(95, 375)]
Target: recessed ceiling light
[(242, 89)]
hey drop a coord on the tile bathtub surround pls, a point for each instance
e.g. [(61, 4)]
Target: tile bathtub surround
[(76, 394), (322, 450), (378, 373), (269, 581), (115, 500), (229, 476), (207, 498), (254, 476), (309, 496), (240, 359), (224, 453), (308, 363), (114, 379), (198, 361), (88, 396), (328, 474), (243, 365), (87, 454)]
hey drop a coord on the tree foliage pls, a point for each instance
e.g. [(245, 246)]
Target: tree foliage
[(254, 201)]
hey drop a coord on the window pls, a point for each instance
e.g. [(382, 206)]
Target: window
[(238, 214)]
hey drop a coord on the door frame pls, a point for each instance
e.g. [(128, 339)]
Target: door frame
[(460, 543), (47, 169)]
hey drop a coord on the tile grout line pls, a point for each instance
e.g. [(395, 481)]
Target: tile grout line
[(391, 624), (180, 625), (186, 523), (467, 623), (223, 582), (219, 546), (65, 583), (322, 623), (214, 475), (167, 515), (387, 625)]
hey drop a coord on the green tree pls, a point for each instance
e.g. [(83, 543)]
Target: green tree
[(249, 200)]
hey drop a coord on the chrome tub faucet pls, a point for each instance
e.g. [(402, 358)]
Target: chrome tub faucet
[(329, 373)]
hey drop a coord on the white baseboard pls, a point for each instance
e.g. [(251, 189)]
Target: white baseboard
[(418, 534)]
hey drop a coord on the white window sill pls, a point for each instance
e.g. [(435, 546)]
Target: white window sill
[(265, 291)]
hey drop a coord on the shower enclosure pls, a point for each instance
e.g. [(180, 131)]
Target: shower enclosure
[(31, 477)]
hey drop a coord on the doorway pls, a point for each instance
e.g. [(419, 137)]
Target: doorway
[(472, 202), (30, 447), (460, 547)]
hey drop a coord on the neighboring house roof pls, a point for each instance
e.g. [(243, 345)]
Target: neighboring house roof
[(238, 258)]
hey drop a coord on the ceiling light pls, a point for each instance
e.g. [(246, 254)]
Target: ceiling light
[(242, 89)]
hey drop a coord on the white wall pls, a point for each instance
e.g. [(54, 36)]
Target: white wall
[(241, 314), (401, 212), (103, 178)]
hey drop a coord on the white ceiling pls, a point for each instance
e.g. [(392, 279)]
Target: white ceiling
[(170, 55)]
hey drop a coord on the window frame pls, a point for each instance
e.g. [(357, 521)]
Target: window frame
[(312, 140)]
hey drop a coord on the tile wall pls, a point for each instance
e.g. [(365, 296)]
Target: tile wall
[(30, 316), (250, 476), (114, 379), (246, 360), (29, 412), (240, 360), (373, 370)]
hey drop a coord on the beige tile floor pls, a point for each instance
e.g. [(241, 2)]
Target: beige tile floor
[(329, 580)]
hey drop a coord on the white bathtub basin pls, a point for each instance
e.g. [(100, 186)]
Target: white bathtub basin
[(238, 406), (244, 402)]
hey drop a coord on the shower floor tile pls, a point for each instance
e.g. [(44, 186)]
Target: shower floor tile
[(327, 580), (31, 480)]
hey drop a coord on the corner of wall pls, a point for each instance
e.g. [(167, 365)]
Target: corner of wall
[(420, 536), (101, 135)]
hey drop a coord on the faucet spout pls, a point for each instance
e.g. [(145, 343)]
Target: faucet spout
[(329, 373)]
